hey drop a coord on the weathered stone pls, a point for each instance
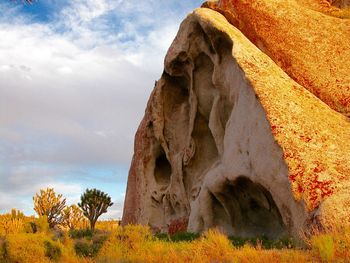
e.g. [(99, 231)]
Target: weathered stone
[(229, 140), (311, 47)]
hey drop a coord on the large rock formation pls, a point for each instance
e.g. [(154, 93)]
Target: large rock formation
[(230, 140), (311, 47)]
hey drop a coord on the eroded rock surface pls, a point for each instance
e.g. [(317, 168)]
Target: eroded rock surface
[(229, 140), (311, 47)]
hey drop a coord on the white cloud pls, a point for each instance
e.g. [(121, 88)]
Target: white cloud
[(81, 11), (65, 70), (63, 188), (5, 67), (73, 91), (95, 89), (115, 211)]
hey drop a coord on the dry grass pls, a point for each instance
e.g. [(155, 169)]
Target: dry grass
[(26, 248), (331, 246), (134, 243), (107, 225)]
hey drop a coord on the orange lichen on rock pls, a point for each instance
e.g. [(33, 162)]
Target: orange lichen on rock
[(311, 47), (336, 8)]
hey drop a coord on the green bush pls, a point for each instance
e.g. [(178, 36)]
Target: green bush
[(86, 248), (83, 248), (263, 242), (81, 233), (90, 246), (178, 237), (52, 251)]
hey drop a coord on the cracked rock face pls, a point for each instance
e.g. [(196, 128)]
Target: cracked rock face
[(229, 140)]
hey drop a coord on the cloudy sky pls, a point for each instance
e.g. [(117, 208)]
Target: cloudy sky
[(75, 77)]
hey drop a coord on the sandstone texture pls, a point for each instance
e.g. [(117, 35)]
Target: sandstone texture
[(247, 130), (311, 47)]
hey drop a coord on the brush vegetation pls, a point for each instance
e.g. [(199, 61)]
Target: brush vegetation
[(72, 239), (28, 239)]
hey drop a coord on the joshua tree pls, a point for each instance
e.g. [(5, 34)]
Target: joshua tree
[(72, 217), (94, 203), (50, 205)]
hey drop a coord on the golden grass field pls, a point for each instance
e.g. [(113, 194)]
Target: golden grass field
[(134, 243)]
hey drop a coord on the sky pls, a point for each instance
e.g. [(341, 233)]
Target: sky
[(75, 77)]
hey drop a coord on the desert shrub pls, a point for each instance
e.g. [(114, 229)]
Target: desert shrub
[(285, 242), (84, 248), (81, 233), (324, 246), (132, 243), (111, 251), (136, 244), (14, 222), (89, 247), (2, 250), (248, 253), (26, 248), (38, 247), (52, 250), (98, 240), (68, 251), (10, 225), (333, 245), (107, 225), (240, 242), (213, 246), (134, 236), (29, 226), (178, 237), (41, 224), (160, 251), (163, 237), (127, 243), (342, 243), (58, 234), (264, 242)]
